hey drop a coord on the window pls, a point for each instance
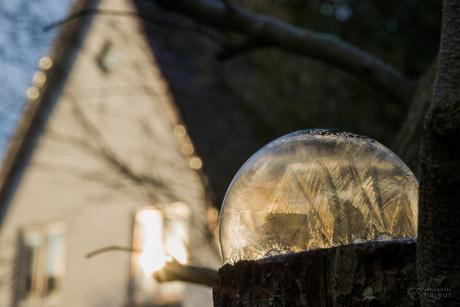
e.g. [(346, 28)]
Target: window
[(40, 265), (159, 232), (108, 57)]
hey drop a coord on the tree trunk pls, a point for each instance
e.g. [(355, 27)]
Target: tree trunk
[(438, 257), (370, 274)]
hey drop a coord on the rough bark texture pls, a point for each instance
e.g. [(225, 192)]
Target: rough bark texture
[(438, 257), (370, 274)]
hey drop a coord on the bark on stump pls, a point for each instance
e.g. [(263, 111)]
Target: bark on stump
[(369, 274)]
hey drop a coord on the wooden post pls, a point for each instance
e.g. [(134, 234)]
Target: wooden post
[(369, 274)]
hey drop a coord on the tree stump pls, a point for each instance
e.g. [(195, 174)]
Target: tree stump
[(368, 274)]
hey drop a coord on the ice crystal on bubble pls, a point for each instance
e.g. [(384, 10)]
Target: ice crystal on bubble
[(316, 189)]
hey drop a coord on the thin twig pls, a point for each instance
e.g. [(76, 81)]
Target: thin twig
[(112, 248), (88, 12)]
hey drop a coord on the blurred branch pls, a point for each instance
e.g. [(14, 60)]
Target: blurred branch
[(172, 270), (95, 145), (246, 44), (112, 248), (175, 271), (84, 13), (276, 33), (264, 31), (227, 4), (147, 17)]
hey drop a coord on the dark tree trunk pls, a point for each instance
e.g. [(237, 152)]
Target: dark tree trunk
[(372, 274), (438, 256)]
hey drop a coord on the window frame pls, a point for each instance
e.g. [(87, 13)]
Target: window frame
[(37, 293), (169, 294)]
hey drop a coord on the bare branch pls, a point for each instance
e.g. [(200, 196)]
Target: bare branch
[(175, 271), (84, 13), (112, 248), (96, 146), (274, 32), (197, 28), (228, 6), (245, 45)]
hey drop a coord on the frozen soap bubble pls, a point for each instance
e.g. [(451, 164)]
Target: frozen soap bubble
[(316, 189)]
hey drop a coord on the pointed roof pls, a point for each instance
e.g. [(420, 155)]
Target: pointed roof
[(40, 104), (222, 113)]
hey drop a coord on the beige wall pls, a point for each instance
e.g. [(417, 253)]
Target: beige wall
[(124, 113)]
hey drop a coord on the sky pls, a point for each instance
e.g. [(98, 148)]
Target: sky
[(22, 43)]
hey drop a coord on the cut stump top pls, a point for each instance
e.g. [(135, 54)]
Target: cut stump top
[(368, 274)]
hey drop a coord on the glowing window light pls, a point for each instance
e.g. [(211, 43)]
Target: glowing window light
[(177, 250), (161, 232), (176, 236), (153, 257), (158, 237)]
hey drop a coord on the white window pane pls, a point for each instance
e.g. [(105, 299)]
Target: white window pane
[(41, 264), (159, 231)]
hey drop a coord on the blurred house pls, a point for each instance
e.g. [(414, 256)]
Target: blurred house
[(102, 158)]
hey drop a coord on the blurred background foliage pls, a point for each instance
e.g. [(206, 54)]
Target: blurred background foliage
[(404, 34), (235, 107)]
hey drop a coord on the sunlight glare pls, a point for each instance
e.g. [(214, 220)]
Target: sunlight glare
[(153, 257), (177, 250)]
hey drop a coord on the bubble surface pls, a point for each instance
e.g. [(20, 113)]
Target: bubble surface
[(313, 189)]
